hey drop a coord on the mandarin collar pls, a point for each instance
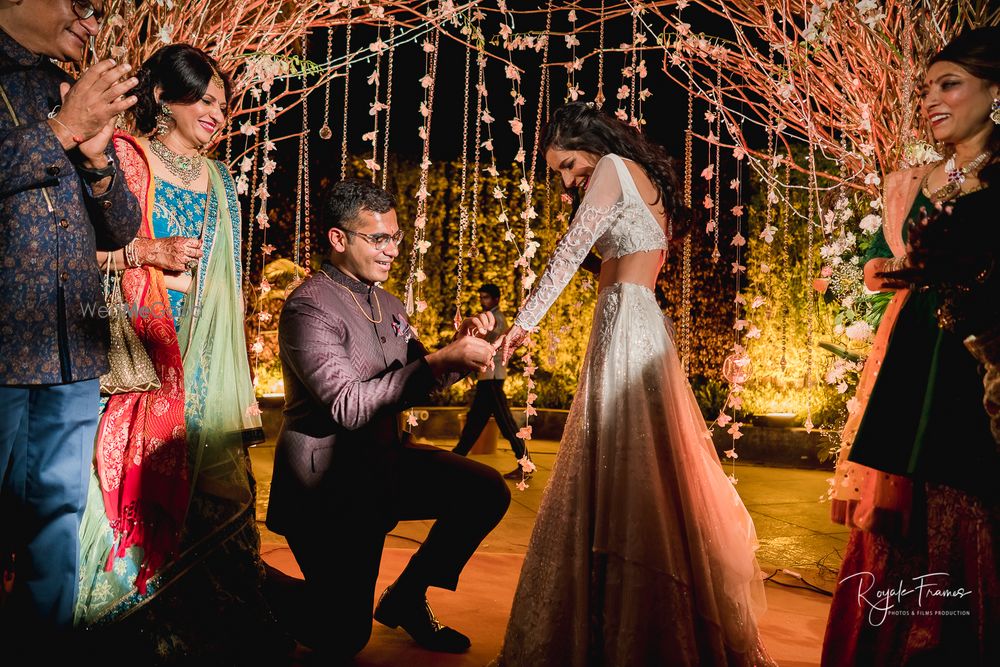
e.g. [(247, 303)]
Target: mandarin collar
[(11, 49), (341, 278)]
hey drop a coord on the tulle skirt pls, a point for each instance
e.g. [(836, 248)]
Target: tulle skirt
[(642, 552)]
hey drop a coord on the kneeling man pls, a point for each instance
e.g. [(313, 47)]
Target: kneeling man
[(344, 472)]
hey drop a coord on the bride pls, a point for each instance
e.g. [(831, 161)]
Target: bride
[(642, 552)]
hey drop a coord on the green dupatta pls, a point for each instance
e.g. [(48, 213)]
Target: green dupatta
[(221, 414), (221, 408)]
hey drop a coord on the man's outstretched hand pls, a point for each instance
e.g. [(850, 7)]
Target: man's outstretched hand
[(477, 326), (465, 354)]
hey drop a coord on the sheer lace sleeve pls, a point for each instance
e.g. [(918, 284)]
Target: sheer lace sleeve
[(599, 208)]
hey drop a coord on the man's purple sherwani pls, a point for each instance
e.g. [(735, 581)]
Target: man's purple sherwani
[(346, 381), (344, 475)]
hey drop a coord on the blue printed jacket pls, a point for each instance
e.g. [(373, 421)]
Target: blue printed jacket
[(50, 284)]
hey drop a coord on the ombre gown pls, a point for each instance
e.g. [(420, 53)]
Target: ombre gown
[(642, 552)]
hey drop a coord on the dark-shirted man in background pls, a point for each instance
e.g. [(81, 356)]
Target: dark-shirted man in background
[(344, 472), (61, 199)]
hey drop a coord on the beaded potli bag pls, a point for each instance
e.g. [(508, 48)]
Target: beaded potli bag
[(131, 369)]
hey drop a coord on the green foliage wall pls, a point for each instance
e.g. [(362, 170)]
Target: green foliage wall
[(781, 379), (562, 341)]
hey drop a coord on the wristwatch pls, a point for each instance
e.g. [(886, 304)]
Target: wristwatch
[(94, 175)]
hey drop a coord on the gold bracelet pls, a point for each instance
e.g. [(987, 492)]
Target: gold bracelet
[(77, 139)]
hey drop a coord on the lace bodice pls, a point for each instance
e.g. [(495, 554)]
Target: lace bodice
[(613, 218)]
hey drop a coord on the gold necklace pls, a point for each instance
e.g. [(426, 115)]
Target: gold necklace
[(358, 303), (956, 177), (185, 167)]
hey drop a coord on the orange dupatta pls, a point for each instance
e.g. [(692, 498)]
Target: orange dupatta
[(862, 497), (141, 456)]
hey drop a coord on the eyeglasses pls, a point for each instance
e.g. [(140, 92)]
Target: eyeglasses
[(379, 241), (85, 10)]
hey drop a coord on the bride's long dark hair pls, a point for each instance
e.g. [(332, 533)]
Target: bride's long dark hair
[(581, 126)]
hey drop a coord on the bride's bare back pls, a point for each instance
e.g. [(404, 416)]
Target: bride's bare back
[(640, 268)]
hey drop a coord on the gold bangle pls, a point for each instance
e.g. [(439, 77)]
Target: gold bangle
[(131, 258)]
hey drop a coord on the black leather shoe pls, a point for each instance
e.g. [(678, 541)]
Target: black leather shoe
[(517, 473), (418, 620)]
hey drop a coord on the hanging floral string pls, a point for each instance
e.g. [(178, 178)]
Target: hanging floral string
[(377, 106), (573, 90), (306, 196), (737, 367), (416, 276), (262, 220)]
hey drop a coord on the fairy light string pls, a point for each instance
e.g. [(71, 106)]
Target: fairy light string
[(325, 133), (716, 133), (301, 175), (251, 163), (477, 150), (687, 252), (634, 68), (347, 89), (599, 96), (463, 211)]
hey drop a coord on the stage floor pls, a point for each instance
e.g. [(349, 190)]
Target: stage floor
[(792, 523)]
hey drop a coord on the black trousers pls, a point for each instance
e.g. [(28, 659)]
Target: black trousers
[(490, 401), (341, 561)]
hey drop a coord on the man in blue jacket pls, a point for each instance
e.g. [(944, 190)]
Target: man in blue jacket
[(62, 198)]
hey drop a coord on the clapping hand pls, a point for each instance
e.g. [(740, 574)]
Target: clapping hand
[(86, 117)]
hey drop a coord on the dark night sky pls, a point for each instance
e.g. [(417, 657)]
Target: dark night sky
[(665, 111)]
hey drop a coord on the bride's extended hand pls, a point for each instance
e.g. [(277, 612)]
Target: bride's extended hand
[(513, 340)]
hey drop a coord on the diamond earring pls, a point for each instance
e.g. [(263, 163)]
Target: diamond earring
[(163, 120), (995, 111)]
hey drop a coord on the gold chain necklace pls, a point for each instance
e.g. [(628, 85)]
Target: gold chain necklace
[(358, 303), (185, 167)]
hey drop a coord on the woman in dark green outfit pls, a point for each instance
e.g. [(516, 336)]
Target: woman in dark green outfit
[(925, 419)]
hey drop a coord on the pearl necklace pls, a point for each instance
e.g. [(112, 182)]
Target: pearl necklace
[(185, 167)]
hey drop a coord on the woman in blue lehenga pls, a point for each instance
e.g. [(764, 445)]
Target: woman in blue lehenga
[(170, 545)]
